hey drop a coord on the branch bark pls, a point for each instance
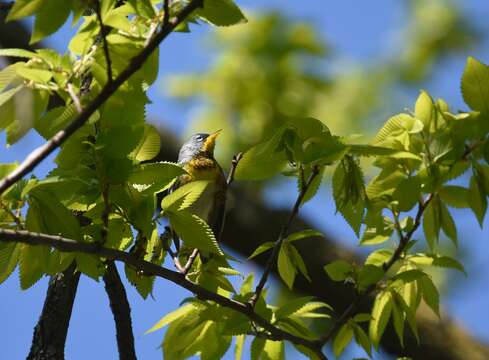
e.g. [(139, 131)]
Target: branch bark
[(111, 87), (49, 338), (122, 312)]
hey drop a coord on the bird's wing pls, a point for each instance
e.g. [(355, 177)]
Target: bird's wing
[(218, 210)]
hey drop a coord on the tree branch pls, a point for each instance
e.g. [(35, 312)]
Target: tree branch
[(103, 34), (48, 342), (403, 241), (121, 311), (69, 245), (135, 64), (283, 232)]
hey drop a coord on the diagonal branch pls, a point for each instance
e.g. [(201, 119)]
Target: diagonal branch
[(283, 232), (110, 88), (69, 245), (403, 242)]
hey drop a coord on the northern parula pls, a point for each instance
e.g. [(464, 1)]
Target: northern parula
[(196, 156)]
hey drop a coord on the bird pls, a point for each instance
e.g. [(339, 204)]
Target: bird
[(196, 157)]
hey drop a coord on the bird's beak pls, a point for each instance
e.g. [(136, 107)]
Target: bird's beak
[(210, 142)]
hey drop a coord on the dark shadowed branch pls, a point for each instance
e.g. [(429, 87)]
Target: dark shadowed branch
[(48, 342)]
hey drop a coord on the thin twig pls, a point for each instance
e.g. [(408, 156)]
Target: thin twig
[(39, 154), (190, 261), (75, 98), (283, 232), (403, 241), (104, 40), (234, 164), (148, 268)]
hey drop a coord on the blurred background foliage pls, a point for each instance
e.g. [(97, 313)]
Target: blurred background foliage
[(277, 66)]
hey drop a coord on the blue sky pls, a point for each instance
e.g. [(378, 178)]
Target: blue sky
[(359, 31)]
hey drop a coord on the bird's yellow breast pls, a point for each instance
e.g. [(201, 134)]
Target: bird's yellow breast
[(202, 168)]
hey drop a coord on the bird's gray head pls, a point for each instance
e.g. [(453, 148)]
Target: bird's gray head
[(198, 144)]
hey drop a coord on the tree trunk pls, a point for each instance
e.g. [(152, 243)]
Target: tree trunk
[(48, 342)]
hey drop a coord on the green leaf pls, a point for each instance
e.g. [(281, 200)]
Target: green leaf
[(292, 306), (23, 8), (407, 193), (183, 197), (424, 109), (32, 264), (7, 95), (309, 310), (49, 18), (149, 146), (221, 13), (159, 175), (362, 317), (90, 265), (338, 270), (273, 350), (454, 196), (379, 257), (475, 85), (477, 198), (397, 125), (368, 275), (342, 339), (286, 267), (54, 120), (431, 223), (430, 294), (313, 187), (46, 214), (381, 313), (362, 339), (20, 53), (262, 161), (298, 261), (172, 316), (262, 248), (408, 276), (9, 257), (398, 320), (240, 341), (437, 260), (299, 235), (194, 231), (257, 346), (36, 75), (447, 224)]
